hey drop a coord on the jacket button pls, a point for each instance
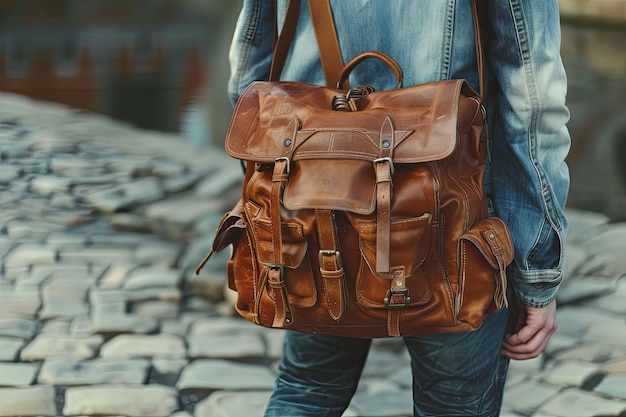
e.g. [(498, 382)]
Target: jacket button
[(539, 285)]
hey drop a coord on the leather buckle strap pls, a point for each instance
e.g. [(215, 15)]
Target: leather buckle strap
[(498, 251), (331, 265), (276, 280), (383, 167)]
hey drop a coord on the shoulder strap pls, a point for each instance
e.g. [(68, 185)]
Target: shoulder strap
[(325, 33), (328, 44)]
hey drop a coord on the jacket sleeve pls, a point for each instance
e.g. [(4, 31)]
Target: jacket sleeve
[(530, 142), (251, 47)]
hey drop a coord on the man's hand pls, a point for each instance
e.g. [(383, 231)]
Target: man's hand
[(531, 333)]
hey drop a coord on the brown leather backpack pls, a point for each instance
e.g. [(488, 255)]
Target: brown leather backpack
[(363, 212)]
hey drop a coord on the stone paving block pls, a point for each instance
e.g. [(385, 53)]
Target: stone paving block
[(181, 211), (613, 386), (559, 342), (166, 371), (615, 303), (233, 404), (612, 331), (56, 326), (31, 401), (586, 287), (570, 373), (529, 366), (615, 367), (86, 272), (212, 374), (208, 285), (48, 346), (9, 173), (181, 182), (31, 229), (158, 252), (97, 371), (133, 345), (164, 294), (65, 239), (152, 277), (23, 305), (384, 363), (9, 348), (224, 337), (155, 309), (526, 397), (28, 254), (46, 185), (108, 315), (115, 399), (117, 239), (64, 297), (130, 222), (591, 353), (17, 374), (390, 403), (18, 327), (115, 275), (576, 403), (125, 196), (574, 321), (274, 339), (226, 345), (97, 256), (76, 166)]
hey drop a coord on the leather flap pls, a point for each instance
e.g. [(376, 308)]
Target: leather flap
[(424, 121), (230, 228), (491, 237)]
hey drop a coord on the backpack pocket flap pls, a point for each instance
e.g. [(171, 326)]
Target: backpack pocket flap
[(346, 185), (294, 245), (425, 121), (491, 237), (230, 228), (410, 244)]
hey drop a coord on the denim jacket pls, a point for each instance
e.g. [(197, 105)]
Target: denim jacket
[(527, 179)]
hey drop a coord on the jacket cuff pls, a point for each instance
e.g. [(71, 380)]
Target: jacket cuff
[(536, 288)]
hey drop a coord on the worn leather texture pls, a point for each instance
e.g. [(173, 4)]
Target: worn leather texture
[(370, 222)]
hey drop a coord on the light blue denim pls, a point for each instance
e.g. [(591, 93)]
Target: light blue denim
[(433, 40)]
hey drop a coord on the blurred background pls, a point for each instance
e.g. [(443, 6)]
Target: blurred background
[(162, 65)]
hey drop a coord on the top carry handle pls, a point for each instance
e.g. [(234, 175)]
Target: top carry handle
[(328, 44)]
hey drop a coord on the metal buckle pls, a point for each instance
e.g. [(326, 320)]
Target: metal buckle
[(403, 292), (392, 168), (281, 271), (330, 252), (287, 160)]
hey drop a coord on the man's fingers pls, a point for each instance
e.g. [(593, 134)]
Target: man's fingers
[(528, 343)]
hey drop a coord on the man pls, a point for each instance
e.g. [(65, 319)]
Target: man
[(458, 374)]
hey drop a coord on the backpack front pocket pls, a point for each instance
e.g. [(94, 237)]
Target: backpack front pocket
[(409, 247)]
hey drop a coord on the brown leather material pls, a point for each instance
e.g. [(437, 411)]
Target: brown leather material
[(331, 265), (370, 221), (417, 152), (330, 52)]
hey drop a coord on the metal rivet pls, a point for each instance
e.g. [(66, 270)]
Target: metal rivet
[(288, 142), (386, 144), (491, 236), (398, 283), (287, 321)]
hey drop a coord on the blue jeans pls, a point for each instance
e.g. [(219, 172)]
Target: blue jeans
[(454, 374)]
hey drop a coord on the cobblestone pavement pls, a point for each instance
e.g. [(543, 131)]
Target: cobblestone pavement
[(101, 315)]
